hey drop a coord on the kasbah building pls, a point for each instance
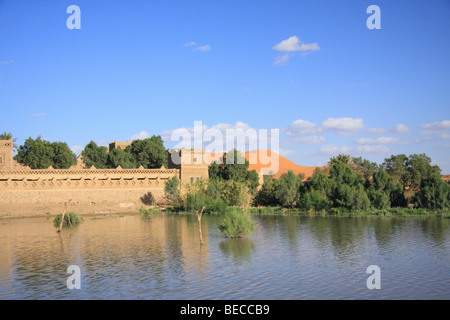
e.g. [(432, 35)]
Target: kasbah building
[(26, 191)]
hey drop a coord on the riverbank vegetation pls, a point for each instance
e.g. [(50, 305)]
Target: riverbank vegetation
[(400, 186), (71, 219)]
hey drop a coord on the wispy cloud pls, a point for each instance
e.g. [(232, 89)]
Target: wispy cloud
[(372, 149), (378, 131), (400, 129), (381, 140), (440, 129), (140, 136), (220, 137), (190, 44), (343, 126), (77, 149), (301, 127), (203, 48), (332, 149), (291, 46), (35, 115), (287, 153), (7, 61), (282, 60)]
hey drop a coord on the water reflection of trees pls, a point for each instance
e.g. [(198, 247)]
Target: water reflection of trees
[(238, 249), (436, 228), (352, 235)]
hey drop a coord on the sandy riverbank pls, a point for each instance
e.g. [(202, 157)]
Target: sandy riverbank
[(40, 209)]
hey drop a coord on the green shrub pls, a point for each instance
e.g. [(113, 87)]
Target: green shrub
[(75, 219), (145, 213), (237, 225), (194, 202)]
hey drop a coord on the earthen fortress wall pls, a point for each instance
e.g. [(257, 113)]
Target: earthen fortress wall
[(22, 185)]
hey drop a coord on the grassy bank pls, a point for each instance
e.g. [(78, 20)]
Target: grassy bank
[(390, 212)]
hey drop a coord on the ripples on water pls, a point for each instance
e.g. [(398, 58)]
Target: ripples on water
[(288, 257)]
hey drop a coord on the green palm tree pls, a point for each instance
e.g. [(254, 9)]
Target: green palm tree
[(8, 136), (345, 159)]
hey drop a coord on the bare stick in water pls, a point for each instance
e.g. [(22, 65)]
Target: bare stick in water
[(62, 217), (199, 216)]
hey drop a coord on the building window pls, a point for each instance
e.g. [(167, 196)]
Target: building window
[(192, 180)]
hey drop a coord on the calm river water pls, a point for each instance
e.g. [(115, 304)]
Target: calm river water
[(287, 257)]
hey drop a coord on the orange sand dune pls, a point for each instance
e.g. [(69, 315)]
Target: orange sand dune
[(265, 161), (284, 165)]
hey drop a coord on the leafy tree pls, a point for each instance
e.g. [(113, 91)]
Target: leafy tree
[(120, 157), (149, 153), (214, 170), (40, 154), (94, 155), (344, 158), (378, 198), (341, 173), (288, 191), (214, 189), (171, 189), (418, 167), (233, 166), (235, 193), (268, 194), (315, 200), (252, 181), (385, 192), (195, 202), (319, 182), (396, 166), (366, 167), (434, 193), (63, 157), (409, 171)]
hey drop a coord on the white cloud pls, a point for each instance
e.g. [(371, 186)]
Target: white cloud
[(437, 126), (140, 136), (400, 129), (301, 127), (282, 60), (77, 149), (378, 131), (378, 149), (333, 149), (287, 153), (310, 140), (304, 140), (35, 115), (221, 137), (441, 129), (290, 45), (294, 44), (190, 44), (416, 141), (343, 126), (204, 48), (381, 140)]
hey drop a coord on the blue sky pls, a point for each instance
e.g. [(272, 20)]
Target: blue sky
[(311, 69)]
